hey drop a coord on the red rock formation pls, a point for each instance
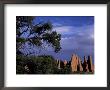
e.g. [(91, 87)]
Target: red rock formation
[(85, 65), (57, 61), (80, 65), (58, 64), (90, 65), (76, 64), (93, 68), (65, 62)]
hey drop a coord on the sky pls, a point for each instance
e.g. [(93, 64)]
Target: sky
[(77, 35)]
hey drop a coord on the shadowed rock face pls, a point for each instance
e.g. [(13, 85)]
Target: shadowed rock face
[(80, 65), (90, 65), (85, 65), (59, 64)]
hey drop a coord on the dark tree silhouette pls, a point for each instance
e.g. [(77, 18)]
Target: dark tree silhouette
[(35, 35)]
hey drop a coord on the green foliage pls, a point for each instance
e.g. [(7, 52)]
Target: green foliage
[(36, 65), (54, 39), (20, 40), (65, 70), (39, 65), (20, 64), (43, 64), (36, 34), (42, 28)]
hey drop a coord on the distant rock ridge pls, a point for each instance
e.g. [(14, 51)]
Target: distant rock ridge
[(76, 64)]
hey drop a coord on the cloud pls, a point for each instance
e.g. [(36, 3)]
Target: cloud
[(63, 29), (57, 24), (77, 38), (72, 30)]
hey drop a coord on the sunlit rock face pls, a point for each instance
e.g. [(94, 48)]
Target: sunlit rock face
[(80, 65), (76, 64)]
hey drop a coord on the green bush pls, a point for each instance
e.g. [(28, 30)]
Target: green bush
[(36, 65)]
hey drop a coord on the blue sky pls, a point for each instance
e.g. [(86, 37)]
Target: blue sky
[(77, 35)]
